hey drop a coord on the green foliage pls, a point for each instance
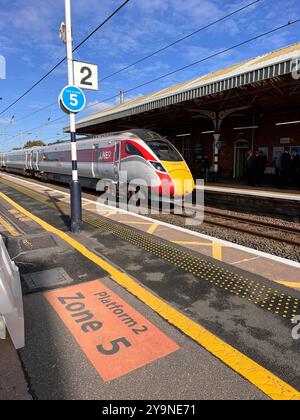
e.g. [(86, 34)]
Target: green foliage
[(33, 143)]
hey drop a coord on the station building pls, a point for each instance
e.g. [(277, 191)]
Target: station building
[(249, 106)]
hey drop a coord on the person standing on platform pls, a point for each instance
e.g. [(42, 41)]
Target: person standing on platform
[(260, 165), (296, 169), (285, 168), (249, 168), (277, 167), (206, 164)]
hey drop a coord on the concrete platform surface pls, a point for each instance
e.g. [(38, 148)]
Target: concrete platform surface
[(119, 313)]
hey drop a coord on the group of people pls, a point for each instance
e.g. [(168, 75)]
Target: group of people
[(287, 169), (286, 164), (256, 166)]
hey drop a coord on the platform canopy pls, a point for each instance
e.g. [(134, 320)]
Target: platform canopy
[(266, 83)]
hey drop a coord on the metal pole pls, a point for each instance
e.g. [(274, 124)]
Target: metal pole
[(122, 96), (217, 137), (75, 190)]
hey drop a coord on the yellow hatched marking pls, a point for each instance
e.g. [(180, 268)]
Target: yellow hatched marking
[(8, 227), (216, 247), (217, 251), (110, 213), (263, 379), (152, 228)]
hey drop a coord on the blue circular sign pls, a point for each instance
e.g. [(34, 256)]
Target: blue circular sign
[(72, 99)]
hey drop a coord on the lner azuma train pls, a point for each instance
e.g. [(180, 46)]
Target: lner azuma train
[(142, 154)]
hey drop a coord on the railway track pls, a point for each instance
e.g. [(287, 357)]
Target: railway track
[(244, 224), (262, 229)]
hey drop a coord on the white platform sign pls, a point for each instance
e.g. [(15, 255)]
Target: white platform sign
[(11, 299), (86, 75)]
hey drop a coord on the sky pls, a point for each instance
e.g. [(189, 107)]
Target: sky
[(30, 45)]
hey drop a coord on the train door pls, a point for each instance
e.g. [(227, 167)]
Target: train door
[(95, 161), (30, 161), (36, 160), (117, 162), (27, 160)]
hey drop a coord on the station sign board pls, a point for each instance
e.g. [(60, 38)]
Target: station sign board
[(86, 75)]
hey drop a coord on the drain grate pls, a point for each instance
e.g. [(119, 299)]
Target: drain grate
[(47, 278), (267, 298)]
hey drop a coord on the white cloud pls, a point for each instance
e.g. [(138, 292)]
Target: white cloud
[(5, 121), (29, 36), (97, 106)]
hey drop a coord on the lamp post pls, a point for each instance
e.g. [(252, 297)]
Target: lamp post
[(75, 189)]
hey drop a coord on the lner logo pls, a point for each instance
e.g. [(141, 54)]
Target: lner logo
[(2, 67)]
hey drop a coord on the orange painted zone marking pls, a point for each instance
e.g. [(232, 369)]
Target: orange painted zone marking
[(113, 335)]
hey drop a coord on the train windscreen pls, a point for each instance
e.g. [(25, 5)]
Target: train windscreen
[(165, 151)]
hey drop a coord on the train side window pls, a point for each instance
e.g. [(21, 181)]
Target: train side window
[(132, 150)]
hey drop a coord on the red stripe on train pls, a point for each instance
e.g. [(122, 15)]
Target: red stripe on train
[(146, 155), (167, 187)]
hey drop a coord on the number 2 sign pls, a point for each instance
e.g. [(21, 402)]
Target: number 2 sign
[(86, 75)]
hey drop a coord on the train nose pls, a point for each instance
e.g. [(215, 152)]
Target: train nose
[(183, 182)]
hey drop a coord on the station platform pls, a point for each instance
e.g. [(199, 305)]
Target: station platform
[(266, 201), (133, 308)]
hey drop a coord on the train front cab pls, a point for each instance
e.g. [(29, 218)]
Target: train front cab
[(176, 175)]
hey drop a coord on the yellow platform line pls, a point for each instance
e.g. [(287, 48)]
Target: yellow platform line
[(133, 222), (292, 285), (152, 228), (192, 243), (263, 379), (8, 227)]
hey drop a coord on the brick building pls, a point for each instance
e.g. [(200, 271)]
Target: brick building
[(251, 105)]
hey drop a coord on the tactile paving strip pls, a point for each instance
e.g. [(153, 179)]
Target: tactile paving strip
[(267, 298)]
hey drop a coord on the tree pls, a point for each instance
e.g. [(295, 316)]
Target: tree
[(33, 143)]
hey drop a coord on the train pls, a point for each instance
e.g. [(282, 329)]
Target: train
[(143, 155)]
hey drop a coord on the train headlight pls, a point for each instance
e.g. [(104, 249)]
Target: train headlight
[(158, 166)]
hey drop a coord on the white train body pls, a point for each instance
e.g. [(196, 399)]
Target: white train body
[(141, 154)]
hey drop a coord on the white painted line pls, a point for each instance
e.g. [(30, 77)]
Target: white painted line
[(256, 193), (187, 231), (246, 260)]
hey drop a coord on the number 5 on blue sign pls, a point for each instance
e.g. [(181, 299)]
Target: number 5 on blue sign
[(72, 99)]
